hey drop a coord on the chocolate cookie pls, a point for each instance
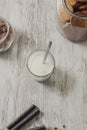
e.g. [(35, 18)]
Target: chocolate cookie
[(81, 0), (3, 29)]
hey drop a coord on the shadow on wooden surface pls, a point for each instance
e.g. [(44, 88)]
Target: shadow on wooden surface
[(61, 82)]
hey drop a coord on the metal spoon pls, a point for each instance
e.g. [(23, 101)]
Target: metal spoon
[(47, 51)]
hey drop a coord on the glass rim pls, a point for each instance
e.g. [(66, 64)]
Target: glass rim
[(67, 9), (38, 75)]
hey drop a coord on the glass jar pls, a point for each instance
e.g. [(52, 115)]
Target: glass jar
[(72, 19), (38, 70), (6, 35)]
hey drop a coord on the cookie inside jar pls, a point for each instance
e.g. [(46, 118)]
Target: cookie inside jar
[(73, 15), (6, 35)]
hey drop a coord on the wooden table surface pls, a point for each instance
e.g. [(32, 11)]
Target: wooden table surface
[(63, 98)]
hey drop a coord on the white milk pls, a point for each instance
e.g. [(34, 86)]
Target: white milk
[(36, 66)]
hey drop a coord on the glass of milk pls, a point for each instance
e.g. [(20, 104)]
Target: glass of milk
[(38, 70)]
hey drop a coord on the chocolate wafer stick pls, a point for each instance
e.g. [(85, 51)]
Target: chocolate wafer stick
[(28, 118), (21, 117), (38, 128)]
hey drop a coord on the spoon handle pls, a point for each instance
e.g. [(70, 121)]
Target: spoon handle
[(47, 51)]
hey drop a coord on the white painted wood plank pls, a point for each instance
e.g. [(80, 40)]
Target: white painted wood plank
[(63, 98)]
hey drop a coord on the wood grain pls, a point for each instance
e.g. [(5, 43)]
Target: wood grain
[(63, 98)]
